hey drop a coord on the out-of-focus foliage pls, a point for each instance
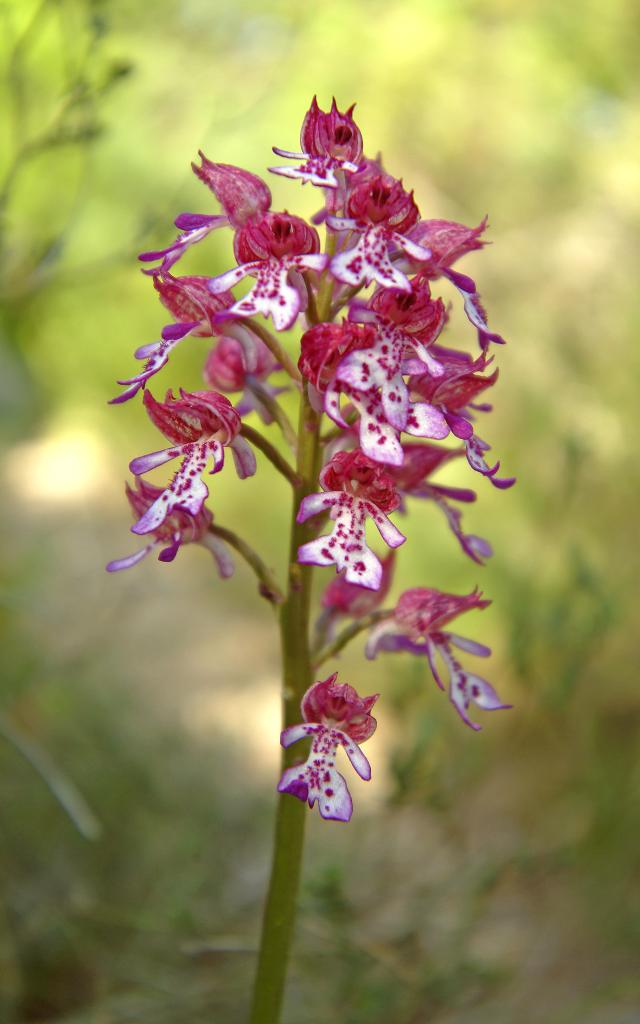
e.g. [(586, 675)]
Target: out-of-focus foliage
[(487, 878)]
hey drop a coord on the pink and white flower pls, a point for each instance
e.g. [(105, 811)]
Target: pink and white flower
[(177, 529), (194, 308), (454, 394), (333, 716), (357, 489), (448, 242), (379, 212), (274, 250), (417, 627), (378, 437), (330, 142), (201, 424)]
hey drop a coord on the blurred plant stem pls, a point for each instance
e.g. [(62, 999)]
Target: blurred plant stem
[(348, 633), (268, 584), (60, 785), (297, 674)]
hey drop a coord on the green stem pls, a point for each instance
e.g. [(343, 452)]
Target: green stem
[(346, 635), (312, 309), (297, 675), (345, 299), (280, 908), (273, 455), (272, 405), (269, 587), (276, 349)]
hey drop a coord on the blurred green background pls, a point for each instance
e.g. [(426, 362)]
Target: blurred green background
[(484, 878)]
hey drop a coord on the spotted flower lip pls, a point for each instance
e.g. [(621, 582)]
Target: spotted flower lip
[(330, 142), (189, 300), (380, 212), (274, 248), (382, 366), (333, 716), (178, 529), (349, 508), (200, 424), (368, 260), (417, 627), (378, 437)]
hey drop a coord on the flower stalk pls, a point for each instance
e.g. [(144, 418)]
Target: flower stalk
[(389, 388), (269, 587), (288, 841)]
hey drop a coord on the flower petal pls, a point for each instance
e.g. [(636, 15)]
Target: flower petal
[(316, 503), (425, 420), (272, 296), (390, 534), (221, 554), (224, 282), (187, 491), (368, 261), (130, 560), (145, 463), (346, 546), (243, 457), (381, 638), (357, 758), (297, 732), (470, 646), (334, 803)]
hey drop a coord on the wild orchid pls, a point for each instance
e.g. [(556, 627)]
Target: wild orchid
[(377, 391)]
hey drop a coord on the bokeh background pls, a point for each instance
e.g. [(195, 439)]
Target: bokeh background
[(489, 877)]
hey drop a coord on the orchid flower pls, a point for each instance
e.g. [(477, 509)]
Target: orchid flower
[(333, 716)]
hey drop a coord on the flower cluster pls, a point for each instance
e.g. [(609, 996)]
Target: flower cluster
[(370, 359)]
